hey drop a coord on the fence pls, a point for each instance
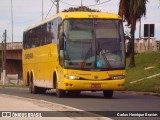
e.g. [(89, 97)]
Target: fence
[(143, 45)]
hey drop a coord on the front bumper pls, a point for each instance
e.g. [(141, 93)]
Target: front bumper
[(91, 85)]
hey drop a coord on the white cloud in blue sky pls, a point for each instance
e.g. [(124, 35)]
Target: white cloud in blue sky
[(27, 12)]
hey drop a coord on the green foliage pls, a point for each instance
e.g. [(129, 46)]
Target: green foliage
[(81, 8), (132, 10)]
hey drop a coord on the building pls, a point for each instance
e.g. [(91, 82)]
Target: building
[(13, 58), (158, 45), (143, 45)]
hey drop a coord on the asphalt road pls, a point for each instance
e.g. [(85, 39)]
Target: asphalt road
[(89, 101)]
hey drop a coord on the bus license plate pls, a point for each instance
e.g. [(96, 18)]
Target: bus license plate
[(95, 85)]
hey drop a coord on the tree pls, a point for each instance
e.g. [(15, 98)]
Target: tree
[(81, 8), (132, 11)]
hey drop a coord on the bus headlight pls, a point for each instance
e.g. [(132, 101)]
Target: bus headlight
[(71, 77), (118, 77)]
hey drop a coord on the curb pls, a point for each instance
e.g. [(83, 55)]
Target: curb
[(141, 93)]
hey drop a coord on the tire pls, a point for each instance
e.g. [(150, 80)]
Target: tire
[(42, 90), (60, 93), (30, 86), (74, 93), (33, 89), (108, 93)]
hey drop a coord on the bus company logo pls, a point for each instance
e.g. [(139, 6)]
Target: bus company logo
[(29, 56), (95, 77), (6, 114)]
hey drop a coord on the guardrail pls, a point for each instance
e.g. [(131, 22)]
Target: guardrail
[(12, 46)]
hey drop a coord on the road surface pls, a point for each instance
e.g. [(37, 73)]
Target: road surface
[(89, 101)]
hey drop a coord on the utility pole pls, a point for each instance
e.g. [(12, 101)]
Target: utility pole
[(4, 50), (149, 37), (4, 57), (12, 19), (81, 3), (42, 9), (2, 60), (139, 28), (57, 6), (5, 39)]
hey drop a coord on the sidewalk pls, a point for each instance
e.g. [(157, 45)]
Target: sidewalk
[(19, 104)]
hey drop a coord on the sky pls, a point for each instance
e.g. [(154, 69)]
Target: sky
[(29, 12)]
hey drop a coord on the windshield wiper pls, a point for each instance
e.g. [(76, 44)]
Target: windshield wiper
[(103, 53), (86, 57)]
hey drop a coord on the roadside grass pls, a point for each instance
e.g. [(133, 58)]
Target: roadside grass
[(147, 85), (147, 64)]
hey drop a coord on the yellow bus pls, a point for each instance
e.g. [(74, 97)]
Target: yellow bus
[(73, 52)]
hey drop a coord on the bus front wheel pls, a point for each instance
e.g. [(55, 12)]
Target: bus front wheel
[(74, 93), (60, 93), (108, 93)]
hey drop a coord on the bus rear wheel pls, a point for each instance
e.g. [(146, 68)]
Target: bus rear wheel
[(108, 93), (33, 89)]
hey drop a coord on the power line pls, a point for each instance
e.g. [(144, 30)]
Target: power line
[(68, 3), (53, 2), (99, 3), (57, 5), (49, 11), (86, 5)]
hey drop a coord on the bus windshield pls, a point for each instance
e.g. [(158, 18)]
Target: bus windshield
[(94, 44)]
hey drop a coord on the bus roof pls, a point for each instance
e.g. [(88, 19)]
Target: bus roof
[(67, 15)]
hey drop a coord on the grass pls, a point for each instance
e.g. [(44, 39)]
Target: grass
[(143, 61)]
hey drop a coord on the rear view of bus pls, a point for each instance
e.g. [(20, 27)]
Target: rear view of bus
[(87, 54)]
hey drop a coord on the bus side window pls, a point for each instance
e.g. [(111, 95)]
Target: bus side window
[(51, 32), (54, 31), (48, 33), (25, 46), (29, 38), (60, 33)]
